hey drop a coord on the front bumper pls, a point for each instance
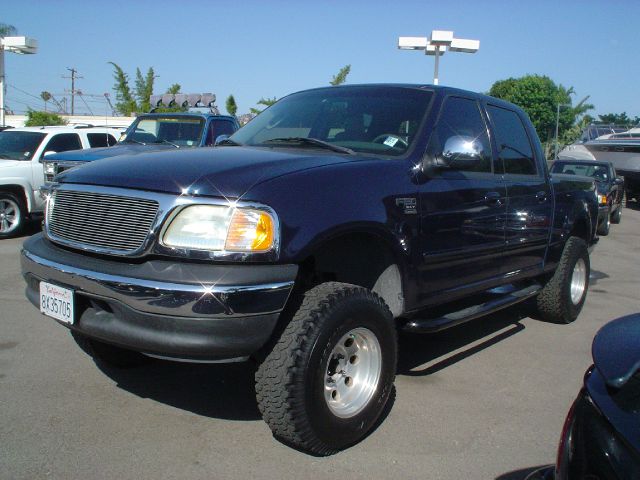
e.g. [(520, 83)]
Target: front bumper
[(168, 308)]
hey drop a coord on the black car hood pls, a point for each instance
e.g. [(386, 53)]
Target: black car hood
[(219, 171), (616, 350), (90, 154)]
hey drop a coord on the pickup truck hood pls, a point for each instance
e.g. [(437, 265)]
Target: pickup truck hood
[(11, 163), (90, 154), (219, 171)]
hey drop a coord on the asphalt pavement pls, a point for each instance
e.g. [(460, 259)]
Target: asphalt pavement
[(484, 400)]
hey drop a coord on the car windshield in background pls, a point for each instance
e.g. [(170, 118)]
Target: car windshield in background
[(177, 131), (19, 145), (376, 120), (599, 172)]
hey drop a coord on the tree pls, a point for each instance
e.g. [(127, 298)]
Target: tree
[(619, 119), (144, 89), (37, 119), (125, 103), (539, 96), (46, 96), (231, 106), (267, 102), (341, 76), (7, 30), (175, 88)]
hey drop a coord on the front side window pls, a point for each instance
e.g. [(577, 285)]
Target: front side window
[(19, 145), (374, 120), (179, 131), (461, 123), (63, 142), (515, 155)]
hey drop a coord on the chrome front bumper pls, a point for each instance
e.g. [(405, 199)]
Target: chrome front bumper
[(168, 308)]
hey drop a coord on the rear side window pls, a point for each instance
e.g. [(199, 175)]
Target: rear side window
[(63, 142), (101, 140), (515, 155), (460, 117)]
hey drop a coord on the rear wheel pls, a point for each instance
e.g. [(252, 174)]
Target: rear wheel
[(563, 296), (12, 215), (327, 380), (107, 354)]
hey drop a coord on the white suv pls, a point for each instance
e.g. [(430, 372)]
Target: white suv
[(21, 172)]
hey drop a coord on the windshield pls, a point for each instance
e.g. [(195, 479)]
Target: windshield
[(19, 145), (377, 120), (599, 172), (177, 131)]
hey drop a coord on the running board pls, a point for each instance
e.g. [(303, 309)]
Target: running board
[(430, 325)]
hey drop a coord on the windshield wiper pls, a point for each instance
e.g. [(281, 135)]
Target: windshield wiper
[(131, 140), (228, 141), (314, 142), (163, 140)]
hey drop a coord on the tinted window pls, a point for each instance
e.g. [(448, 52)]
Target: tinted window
[(63, 142), (461, 118), (101, 140), (217, 128), (514, 149), (19, 145), (599, 172)]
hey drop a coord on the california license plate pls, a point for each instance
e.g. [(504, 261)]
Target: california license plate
[(56, 302)]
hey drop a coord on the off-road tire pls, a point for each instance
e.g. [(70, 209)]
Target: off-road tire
[(290, 382), (15, 203), (554, 302), (605, 226), (616, 216), (109, 355)]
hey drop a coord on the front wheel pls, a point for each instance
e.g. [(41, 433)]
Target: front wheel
[(12, 215), (328, 378), (605, 226), (617, 215), (564, 294)]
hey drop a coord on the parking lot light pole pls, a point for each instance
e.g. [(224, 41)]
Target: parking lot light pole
[(437, 44), (21, 45)]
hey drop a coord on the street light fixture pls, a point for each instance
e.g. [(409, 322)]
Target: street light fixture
[(21, 45), (436, 45)]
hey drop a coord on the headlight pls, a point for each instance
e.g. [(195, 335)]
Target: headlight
[(49, 168), (216, 228), (602, 199)]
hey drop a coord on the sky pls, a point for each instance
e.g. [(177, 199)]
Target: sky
[(255, 49)]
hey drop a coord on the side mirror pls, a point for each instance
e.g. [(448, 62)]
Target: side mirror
[(619, 181), (460, 152), (220, 138)]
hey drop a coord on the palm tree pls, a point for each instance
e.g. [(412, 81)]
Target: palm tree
[(7, 30)]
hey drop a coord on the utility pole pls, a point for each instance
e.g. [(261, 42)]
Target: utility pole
[(73, 77)]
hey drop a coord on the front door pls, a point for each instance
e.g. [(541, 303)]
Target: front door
[(461, 211)]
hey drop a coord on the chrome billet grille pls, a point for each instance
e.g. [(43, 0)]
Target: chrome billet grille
[(102, 221)]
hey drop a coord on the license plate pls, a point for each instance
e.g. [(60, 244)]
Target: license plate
[(56, 302)]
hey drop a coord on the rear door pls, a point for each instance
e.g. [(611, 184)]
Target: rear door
[(529, 203), (461, 210)]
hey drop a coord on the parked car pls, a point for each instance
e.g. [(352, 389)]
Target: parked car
[(152, 132), (21, 175), (601, 435), (610, 188), (335, 217)]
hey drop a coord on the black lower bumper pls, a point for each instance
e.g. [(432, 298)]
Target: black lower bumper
[(171, 309)]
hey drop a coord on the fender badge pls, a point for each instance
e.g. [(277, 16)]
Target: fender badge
[(408, 205)]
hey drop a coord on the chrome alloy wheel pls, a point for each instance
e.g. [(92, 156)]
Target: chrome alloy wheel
[(352, 372), (578, 281), (9, 215)]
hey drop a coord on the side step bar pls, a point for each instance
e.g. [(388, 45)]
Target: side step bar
[(430, 325)]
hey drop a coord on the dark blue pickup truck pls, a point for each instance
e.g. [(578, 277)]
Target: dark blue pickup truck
[(308, 239), (150, 132)]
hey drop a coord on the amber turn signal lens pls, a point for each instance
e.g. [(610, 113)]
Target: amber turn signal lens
[(250, 231)]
